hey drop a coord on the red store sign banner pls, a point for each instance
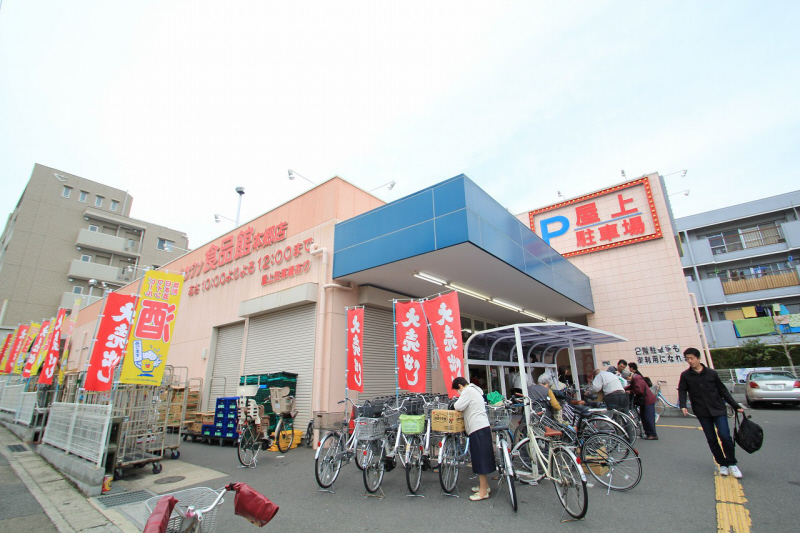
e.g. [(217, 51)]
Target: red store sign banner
[(355, 349), (49, 367), (411, 338), (444, 317), (111, 341)]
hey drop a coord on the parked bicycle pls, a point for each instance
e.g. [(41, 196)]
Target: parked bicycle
[(386, 443), (337, 446), (283, 407), (253, 428), (662, 403)]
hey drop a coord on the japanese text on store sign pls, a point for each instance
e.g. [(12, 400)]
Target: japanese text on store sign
[(656, 355), (624, 214), (355, 348), (412, 334), (116, 342)]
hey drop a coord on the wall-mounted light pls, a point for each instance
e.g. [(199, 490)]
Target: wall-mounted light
[(507, 305), (469, 292)]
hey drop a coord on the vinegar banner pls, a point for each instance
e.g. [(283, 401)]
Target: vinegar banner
[(355, 347), (148, 347), (111, 341), (444, 319), (411, 337)]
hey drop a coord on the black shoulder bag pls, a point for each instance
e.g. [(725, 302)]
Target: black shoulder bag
[(747, 434)]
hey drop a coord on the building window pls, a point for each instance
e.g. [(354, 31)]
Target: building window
[(86, 258), (77, 289), (164, 244), (83, 196), (114, 205), (92, 227), (66, 192), (98, 202)]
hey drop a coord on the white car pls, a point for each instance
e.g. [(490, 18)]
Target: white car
[(776, 386)]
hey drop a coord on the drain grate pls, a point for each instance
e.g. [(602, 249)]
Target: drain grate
[(115, 500), (170, 479), (17, 448)]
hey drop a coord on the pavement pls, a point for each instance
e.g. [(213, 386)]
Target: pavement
[(680, 491)]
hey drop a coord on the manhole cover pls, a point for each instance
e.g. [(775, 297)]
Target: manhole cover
[(17, 448), (795, 483), (115, 500), (170, 479)]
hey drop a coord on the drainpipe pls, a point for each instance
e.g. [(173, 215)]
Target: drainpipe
[(699, 286), (322, 359)]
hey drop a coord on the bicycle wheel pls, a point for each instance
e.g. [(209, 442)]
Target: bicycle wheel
[(361, 453), (570, 483), (414, 464), (284, 434), (374, 467), (327, 464), (612, 462), (522, 465), (508, 472), (520, 433), (660, 406), (248, 447), (308, 438), (448, 467), (627, 423), (603, 424)]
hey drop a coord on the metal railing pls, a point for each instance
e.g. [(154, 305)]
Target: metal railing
[(11, 398), (761, 281), (27, 408), (728, 375), (79, 429), (745, 240)]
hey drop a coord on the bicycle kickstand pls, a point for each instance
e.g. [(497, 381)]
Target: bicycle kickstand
[(380, 496)]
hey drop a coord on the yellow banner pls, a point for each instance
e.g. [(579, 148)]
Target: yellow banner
[(148, 345), (22, 356), (8, 347), (47, 333)]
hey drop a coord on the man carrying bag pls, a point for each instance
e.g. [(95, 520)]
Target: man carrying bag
[(747, 434)]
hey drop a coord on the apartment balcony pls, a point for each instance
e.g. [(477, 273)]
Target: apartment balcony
[(746, 244), (95, 240), (764, 286), (85, 270), (68, 299)]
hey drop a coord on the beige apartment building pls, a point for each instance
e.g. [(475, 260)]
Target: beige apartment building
[(70, 237)]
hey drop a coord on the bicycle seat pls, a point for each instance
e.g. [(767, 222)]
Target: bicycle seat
[(582, 410), (550, 433)]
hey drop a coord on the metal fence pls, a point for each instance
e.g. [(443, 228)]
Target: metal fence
[(11, 398), (27, 408), (79, 429)]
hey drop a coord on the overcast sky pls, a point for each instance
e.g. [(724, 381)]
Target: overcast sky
[(181, 102)]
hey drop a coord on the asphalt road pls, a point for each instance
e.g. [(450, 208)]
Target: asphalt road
[(676, 494)]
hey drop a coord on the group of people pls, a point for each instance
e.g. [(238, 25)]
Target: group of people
[(621, 386)]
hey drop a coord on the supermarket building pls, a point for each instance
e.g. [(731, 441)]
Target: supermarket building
[(270, 295)]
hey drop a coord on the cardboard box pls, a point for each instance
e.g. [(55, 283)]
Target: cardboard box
[(447, 421), (195, 427), (175, 409), (205, 418)]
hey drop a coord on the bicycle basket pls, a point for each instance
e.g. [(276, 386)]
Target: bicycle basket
[(435, 406), (412, 424), (391, 417), (325, 421), (199, 498), (370, 428), (498, 416)]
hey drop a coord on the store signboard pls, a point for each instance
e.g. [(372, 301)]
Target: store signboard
[(411, 334), (355, 349), (53, 350), (618, 216), (112, 338), (444, 318)]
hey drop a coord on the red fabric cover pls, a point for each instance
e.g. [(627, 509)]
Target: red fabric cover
[(252, 505), (157, 523)]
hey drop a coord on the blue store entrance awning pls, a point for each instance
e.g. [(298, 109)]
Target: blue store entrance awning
[(455, 233)]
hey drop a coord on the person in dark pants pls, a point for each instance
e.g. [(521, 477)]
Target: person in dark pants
[(646, 400), (476, 424), (708, 396)]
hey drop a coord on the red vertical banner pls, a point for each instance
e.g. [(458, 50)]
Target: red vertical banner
[(6, 349), (411, 337), (112, 338), (444, 318), (41, 340), (355, 347), (15, 349), (49, 366)]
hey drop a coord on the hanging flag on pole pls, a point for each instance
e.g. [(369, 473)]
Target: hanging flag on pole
[(6, 349), (148, 347), (411, 334), (49, 366), (43, 347), (44, 331), (22, 356), (73, 319), (15, 348), (355, 347), (444, 319), (111, 341)]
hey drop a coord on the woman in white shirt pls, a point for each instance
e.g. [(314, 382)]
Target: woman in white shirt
[(476, 424)]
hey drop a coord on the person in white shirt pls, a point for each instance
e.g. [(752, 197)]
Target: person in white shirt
[(613, 391), (476, 425), (516, 382)]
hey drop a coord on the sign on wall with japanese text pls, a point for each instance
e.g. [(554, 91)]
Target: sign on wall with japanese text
[(666, 354), (112, 338), (411, 337), (618, 216), (355, 349), (53, 350), (148, 347), (444, 318)]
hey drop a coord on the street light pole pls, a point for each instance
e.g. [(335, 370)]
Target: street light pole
[(240, 192)]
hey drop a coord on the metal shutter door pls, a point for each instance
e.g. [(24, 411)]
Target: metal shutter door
[(284, 342), (379, 364), (226, 363)]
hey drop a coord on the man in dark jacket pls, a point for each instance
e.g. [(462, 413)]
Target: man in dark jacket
[(708, 396)]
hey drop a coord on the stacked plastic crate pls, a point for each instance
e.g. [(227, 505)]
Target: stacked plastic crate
[(225, 418)]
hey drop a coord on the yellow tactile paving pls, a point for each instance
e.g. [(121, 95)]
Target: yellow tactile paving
[(732, 515)]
